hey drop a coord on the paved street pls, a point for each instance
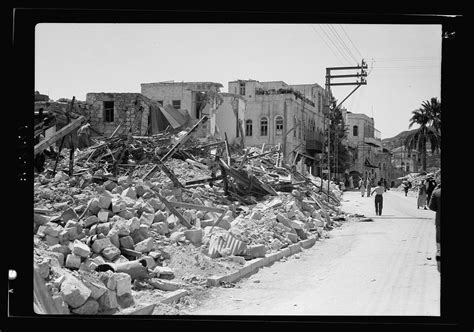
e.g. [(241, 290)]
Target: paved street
[(384, 267)]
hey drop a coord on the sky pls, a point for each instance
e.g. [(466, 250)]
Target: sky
[(404, 61)]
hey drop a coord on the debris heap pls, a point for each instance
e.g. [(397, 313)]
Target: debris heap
[(162, 213)]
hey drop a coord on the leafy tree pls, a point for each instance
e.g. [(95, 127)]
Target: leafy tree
[(428, 117)]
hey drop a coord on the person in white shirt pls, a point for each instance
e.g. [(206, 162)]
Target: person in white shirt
[(379, 190)]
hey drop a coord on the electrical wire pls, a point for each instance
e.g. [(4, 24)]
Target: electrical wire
[(336, 46), (332, 51), (355, 47), (339, 39)]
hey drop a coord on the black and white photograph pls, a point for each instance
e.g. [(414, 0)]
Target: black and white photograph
[(237, 169)]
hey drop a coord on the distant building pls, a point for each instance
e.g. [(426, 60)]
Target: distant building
[(369, 158)]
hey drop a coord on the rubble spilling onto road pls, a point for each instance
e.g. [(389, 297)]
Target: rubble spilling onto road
[(140, 218)]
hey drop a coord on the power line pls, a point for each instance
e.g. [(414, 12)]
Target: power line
[(351, 41), (335, 46), (338, 37), (330, 48), (338, 43)]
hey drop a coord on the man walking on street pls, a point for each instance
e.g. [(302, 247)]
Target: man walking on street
[(379, 190), (435, 205)]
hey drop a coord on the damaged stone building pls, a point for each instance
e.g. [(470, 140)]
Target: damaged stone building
[(370, 159), (289, 115)]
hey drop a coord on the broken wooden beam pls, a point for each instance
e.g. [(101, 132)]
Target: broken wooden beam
[(173, 210), (181, 141), (227, 149), (59, 134), (203, 180)]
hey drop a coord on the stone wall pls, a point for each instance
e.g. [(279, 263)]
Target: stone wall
[(126, 106)]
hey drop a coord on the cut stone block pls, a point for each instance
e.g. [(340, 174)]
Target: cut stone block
[(194, 235), (90, 307), (88, 265), (60, 305), (118, 205), (155, 203), (69, 214), (103, 228), (293, 237), (74, 292), (108, 300), (111, 252), (133, 224), (114, 238), (59, 257), (51, 241), (164, 272), (109, 185), (177, 237), (100, 244), (147, 218), (255, 251), (105, 200), (159, 217), (296, 224), (301, 234), (160, 228), (73, 261), (91, 220), (256, 215), (103, 216), (127, 242), (145, 246), (123, 284), (94, 207), (129, 192), (283, 219), (81, 249), (127, 214)]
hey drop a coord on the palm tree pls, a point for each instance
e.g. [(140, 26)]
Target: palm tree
[(428, 117)]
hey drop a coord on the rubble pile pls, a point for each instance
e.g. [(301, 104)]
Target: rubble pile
[(105, 234)]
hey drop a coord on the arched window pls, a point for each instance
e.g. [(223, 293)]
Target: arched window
[(355, 131), (279, 126), (248, 128), (264, 126)]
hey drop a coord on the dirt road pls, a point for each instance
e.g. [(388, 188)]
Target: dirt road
[(384, 267)]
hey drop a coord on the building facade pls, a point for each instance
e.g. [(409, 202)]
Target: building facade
[(369, 158), (289, 115), (108, 110)]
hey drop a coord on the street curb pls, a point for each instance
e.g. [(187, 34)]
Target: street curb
[(174, 295), (255, 264)]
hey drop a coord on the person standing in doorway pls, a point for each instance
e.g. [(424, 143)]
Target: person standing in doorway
[(362, 186), (435, 205), (379, 190)]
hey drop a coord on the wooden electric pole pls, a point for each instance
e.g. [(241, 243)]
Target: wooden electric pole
[(360, 81)]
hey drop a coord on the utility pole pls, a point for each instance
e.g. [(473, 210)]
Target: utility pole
[(360, 76)]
